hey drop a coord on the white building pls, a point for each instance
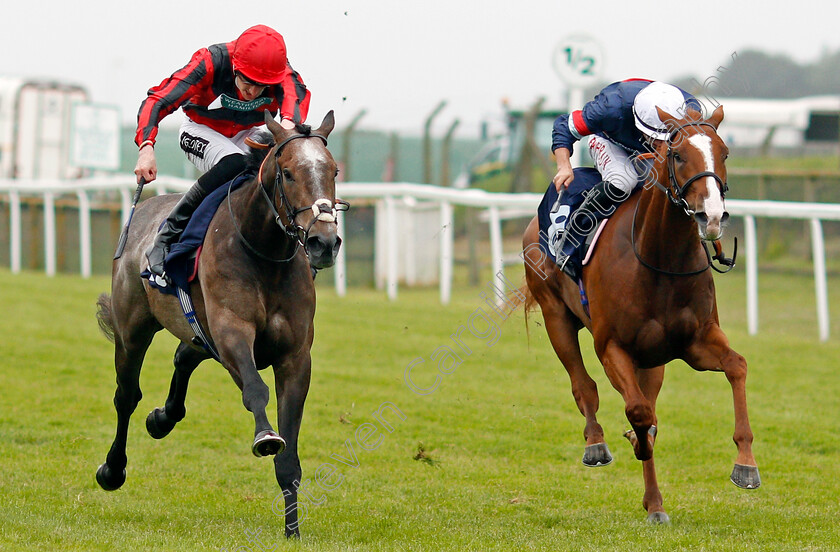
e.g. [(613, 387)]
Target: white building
[(35, 123), (751, 123)]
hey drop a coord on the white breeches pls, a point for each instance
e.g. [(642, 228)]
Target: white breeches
[(614, 164)]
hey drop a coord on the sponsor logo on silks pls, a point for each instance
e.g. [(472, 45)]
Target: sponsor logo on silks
[(193, 145), (226, 102)]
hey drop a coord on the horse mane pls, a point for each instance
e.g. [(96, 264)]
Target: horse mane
[(304, 129), (261, 142)]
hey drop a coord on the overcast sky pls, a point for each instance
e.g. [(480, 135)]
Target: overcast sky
[(398, 58)]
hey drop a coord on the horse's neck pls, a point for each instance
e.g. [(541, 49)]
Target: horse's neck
[(665, 235), (257, 223)]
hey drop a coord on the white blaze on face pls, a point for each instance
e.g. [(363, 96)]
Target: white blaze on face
[(713, 202), (311, 156), (310, 153)]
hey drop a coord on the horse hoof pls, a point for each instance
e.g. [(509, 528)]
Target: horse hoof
[(108, 479), (597, 455), (268, 443), (746, 477), (630, 434), (658, 518), (157, 424)]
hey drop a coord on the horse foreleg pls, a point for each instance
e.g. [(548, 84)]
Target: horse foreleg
[(235, 346), (653, 498), (650, 382), (128, 360), (161, 421), (292, 385), (714, 353), (639, 410)]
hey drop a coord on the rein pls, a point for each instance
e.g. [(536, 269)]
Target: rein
[(323, 209), (660, 270), (676, 194)]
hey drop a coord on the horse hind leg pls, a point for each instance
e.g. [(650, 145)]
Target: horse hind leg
[(292, 386), (161, 421), (563, 336), (562, 327), (128, 360)]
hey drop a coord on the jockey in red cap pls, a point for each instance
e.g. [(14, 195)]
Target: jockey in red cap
[(259, 55), (224, 91)]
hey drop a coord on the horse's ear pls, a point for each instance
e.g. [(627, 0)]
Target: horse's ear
[(692, 114), (660, 148), (717, 117), (327, 125), (272, 125)]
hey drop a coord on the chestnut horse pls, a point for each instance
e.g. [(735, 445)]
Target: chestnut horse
[(254, 297), (651, 298)]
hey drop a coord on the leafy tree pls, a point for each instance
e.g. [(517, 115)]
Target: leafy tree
[(756, 74)]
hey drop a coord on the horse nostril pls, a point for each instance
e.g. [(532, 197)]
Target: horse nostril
[(323, 250), (323, 246), (701, 218), (315, 245), (724, 220)]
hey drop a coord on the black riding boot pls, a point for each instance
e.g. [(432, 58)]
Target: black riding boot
[(600, 203), (172, 228), (224, 171)]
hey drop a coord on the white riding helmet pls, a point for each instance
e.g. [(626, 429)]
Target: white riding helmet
[(657, 94)]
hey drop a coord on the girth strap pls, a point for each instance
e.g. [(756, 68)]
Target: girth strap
[(200, 338)]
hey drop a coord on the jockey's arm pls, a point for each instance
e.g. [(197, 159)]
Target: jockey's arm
[(564, 175), (146, 166)]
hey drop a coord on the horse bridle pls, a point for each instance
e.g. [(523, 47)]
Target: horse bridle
[(323, 209), (676, 194)]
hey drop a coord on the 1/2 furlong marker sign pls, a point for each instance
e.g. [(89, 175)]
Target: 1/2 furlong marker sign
[(579, 60)]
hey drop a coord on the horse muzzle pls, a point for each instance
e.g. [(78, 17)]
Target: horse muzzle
[(322, 246), (711, 228), (322, 249)]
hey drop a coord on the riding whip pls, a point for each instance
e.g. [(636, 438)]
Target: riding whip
[(124, 235)]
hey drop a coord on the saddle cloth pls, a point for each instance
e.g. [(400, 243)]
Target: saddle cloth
[(555, 210), (182, 261)]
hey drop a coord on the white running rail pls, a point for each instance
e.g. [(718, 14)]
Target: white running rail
[(498, 206)]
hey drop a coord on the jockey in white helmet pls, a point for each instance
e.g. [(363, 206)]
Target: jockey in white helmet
[(619, 124)]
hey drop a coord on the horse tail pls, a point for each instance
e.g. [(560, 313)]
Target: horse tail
[(530, 305), (104, 316)]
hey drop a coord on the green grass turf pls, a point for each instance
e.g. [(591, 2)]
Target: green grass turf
[(490, 460)]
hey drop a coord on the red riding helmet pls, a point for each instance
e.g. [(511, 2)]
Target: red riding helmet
[(260, 55)]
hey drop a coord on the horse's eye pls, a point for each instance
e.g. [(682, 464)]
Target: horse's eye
[(677, 157), (287, 174)]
